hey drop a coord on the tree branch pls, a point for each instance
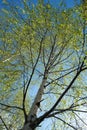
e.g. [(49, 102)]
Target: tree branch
[(41, 118), (6, 105), (4, 123), (65, 122)]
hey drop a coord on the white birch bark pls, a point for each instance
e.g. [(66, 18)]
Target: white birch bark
[(34, 107)]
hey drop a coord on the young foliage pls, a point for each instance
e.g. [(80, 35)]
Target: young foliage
[(42, 65)]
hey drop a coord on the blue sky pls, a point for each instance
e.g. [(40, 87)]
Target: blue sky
[(70, 3)]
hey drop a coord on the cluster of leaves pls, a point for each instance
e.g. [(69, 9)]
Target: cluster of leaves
[(22, 30)]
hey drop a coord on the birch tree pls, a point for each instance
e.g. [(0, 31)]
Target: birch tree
[(43, 65)]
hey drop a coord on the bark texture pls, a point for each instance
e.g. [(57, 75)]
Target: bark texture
[(32, 116)]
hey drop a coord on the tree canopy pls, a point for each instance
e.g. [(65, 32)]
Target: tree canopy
[(43, 66)]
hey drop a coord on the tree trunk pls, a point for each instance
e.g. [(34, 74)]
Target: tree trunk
[(32, 116)]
